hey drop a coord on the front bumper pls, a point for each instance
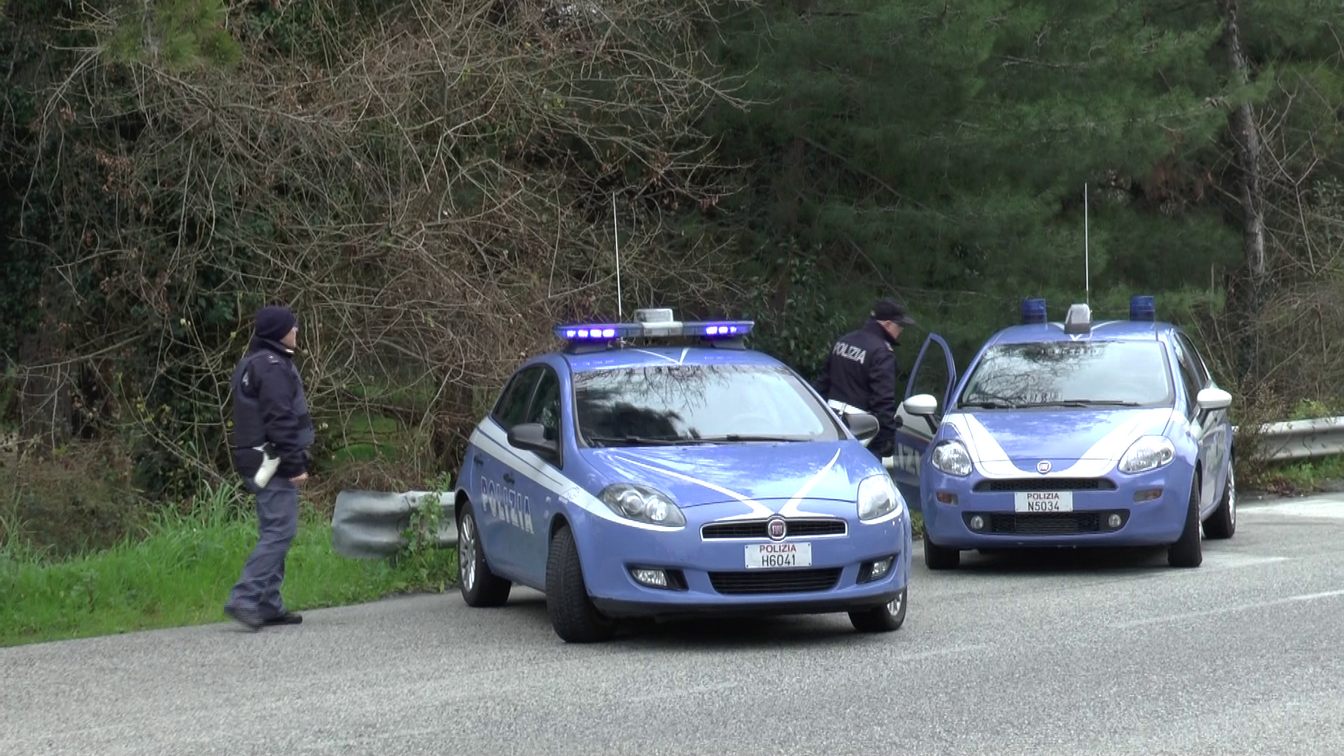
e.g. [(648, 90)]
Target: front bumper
[(1149, 522), (711, 576)]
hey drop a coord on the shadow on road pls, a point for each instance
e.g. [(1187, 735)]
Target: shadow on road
[(717, 633)]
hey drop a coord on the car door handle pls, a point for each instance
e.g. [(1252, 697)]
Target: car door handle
[(508, 478), (478, 461)]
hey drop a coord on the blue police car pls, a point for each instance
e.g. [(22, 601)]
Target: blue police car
[(1073, 433), (661, 469)]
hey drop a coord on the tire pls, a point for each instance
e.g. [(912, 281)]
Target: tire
[(939, 557), (572, 613), (881, 619), (1223, 522), (1187, 551), (479, 586)]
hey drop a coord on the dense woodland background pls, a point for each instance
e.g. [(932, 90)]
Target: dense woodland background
[(433, 183)]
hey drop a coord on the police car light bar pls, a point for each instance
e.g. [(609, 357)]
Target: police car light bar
[(1141, 307), (655, 327), (599, 331), (1033, 310)]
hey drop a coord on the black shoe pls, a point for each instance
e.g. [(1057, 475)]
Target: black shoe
[(249, 619), (288, 618)]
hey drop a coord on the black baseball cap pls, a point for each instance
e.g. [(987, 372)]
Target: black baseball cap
[(890, 309)]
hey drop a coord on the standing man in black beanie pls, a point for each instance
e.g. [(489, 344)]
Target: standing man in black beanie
[(860, 372), (271, 436)]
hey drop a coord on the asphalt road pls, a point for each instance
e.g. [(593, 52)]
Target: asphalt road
[(1061, 653)]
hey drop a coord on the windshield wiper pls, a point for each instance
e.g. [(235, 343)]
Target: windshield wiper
[(988, 404), (641, 440), (738, 437), (1084, 403)]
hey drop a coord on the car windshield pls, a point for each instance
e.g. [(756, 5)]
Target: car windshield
[(1070, 374), (690, 404)]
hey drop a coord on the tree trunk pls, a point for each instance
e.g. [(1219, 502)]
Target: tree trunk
[(1247, 137), (44, 393)]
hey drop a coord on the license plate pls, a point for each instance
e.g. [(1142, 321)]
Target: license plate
[(776, 555), (1043, 501)]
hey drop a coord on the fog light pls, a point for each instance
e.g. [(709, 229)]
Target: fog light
[(1148, 494), (1113, 521), (655, 578), (880, 568), (945, 497), (977, 522)]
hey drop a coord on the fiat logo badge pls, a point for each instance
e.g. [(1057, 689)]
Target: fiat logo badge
[(776, 528), (1043, 466)]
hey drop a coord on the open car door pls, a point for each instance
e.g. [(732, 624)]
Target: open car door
[(935, 374)]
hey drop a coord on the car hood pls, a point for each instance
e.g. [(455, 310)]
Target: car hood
[(1030, 436), (748, 472)]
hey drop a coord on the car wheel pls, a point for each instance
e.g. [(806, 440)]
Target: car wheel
[(939, 557), (572, 613), (1187, 551), (1223, 522), (479, 586), (881, 619)]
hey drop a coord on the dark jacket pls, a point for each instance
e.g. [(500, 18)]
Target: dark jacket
[(269, 406), (861, 371)]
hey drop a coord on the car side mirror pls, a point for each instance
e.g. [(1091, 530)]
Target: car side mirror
[(862, 425), (1211, 399), (921, 405), (532, 437)]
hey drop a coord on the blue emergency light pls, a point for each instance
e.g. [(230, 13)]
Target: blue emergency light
[(1141, 307), (1033, 310), (653, 323)]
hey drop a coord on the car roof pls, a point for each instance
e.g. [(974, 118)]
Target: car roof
[(1105, 330), (656, 356)]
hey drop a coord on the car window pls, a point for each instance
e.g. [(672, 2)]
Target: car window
[(1189, 374), (545, 407), (675, 404), (512, 405), (1051, 373), (1201, 367)]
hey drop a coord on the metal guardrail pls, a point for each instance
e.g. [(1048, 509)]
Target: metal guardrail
[(371, 524), (1301, 439)]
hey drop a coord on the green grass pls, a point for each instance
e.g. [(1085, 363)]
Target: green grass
[(1304, 476), (180, 573)]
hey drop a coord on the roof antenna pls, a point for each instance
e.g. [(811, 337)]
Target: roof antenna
[(620, 314), (1087, 273)]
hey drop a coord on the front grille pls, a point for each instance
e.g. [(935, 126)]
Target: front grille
[(1061, 523), (1046, 484), (775, 581), (756, 529)]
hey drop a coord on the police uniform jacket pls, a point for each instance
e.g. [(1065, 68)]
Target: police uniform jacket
[(861, 371), (270, 408)]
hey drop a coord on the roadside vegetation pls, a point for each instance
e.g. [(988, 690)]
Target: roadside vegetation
[(178, 570)]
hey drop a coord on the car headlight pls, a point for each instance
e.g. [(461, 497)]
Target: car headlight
[(642, 504), (952, 458), (878, 497), (1148, 453)]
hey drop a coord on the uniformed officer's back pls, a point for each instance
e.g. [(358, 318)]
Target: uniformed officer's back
[(860, 371)]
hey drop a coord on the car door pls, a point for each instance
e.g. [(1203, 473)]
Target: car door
[(497, 476), (535, 478), (1215, 428), (1203, 428), (935, 373)]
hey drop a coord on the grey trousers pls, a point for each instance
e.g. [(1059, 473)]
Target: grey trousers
[(258, 590)]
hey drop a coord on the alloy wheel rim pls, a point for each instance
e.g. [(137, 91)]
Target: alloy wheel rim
[(894, 606), (466, 558)]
